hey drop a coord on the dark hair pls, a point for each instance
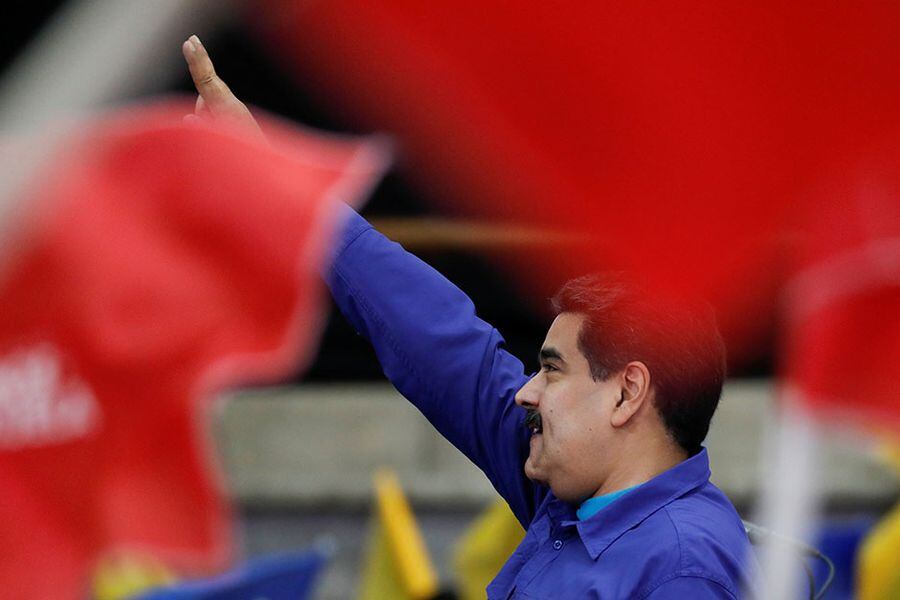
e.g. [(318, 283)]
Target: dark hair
[(677, 339)]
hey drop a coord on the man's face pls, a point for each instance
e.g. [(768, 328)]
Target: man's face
[(571, 450)]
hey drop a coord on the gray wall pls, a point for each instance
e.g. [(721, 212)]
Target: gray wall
[(317, 446)]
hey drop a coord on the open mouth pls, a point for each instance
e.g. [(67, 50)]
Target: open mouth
[(533, 422)]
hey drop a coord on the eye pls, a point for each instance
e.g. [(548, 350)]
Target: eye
[(547, 367)]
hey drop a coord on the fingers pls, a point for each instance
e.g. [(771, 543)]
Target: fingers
[(214, 93), (201, 113), (200, 108), (216, 102)]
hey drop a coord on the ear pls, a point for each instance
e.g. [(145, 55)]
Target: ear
[(635, 380)]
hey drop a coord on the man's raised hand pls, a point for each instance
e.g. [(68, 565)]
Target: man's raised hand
[(215, 100)]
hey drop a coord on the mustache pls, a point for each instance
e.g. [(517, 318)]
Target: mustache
[(533, 419)]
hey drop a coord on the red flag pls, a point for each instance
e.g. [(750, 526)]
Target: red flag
[(842, 335), (159, 263), (681, 138)]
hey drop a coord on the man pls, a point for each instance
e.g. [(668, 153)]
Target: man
[(604, 466)]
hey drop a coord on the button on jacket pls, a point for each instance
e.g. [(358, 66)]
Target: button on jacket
[(675, 536)]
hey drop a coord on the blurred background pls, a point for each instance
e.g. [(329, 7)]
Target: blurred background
[(298, 455)]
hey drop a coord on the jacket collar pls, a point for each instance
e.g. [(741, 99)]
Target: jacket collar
[(608, 525)]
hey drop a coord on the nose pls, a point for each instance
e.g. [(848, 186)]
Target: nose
[(529, 395)]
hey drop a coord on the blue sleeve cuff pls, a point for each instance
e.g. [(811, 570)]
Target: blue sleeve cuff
[(349, 225)]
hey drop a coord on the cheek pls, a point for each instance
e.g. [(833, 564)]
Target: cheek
[(578, 430)]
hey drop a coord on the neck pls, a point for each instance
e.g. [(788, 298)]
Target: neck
[(639, 463)]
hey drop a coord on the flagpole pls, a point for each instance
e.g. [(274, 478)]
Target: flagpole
[(790, 498)]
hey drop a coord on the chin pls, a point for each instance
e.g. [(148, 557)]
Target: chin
[(569, 496)]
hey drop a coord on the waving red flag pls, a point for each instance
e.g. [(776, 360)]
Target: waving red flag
[(843, 320), (159, 263), (680, 138)]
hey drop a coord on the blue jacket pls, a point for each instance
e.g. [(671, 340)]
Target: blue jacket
[(676, 536)]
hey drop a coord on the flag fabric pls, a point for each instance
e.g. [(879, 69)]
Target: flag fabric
[(484, 549), (156, 264), (124, 577), (397, 563), (681, 140), (842, 334), (877, 575), (284, 577)]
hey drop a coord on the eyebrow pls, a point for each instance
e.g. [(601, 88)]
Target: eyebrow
[(550, 353)]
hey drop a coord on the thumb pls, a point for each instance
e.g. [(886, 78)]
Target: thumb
[(200, 108)]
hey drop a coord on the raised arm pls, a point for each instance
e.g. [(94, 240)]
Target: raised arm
[(438, 353), (432, 347)]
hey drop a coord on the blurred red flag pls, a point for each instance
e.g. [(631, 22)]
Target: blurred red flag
[(681, 137), (158, 263), (842, 334)]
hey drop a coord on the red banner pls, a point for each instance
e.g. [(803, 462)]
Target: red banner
[(686, 140), (159, 263)]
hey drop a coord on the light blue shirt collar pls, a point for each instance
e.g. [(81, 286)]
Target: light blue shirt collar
[(592, 506)]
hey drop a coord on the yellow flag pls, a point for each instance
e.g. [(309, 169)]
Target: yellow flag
[(484, 549), (398, 566), (878, 564), (124, 576)]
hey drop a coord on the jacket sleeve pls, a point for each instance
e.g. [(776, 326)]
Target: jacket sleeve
[(449, 363)]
